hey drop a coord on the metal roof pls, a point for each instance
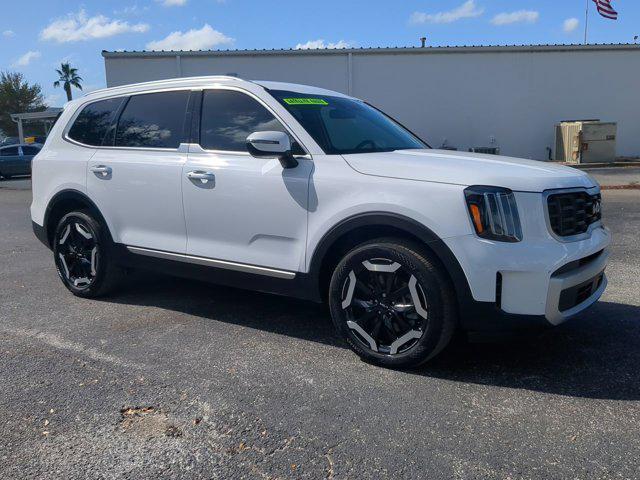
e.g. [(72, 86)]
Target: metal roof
[(377, 50), (45, 114)]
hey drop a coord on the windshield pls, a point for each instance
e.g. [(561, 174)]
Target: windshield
[(344, 125)]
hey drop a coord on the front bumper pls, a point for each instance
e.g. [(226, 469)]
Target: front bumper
[(540, 281), (573, 291)]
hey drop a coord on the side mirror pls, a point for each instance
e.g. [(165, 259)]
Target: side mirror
[(272, 145)]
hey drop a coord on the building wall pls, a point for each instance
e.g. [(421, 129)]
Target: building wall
[(470, 97)]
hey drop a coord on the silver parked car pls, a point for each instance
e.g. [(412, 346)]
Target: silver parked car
[(16, 159)]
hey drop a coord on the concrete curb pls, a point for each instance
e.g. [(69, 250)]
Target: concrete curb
[(587, 166)]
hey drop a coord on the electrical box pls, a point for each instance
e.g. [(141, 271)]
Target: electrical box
[(586, 141)]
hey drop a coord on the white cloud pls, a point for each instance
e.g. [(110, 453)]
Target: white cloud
[(570, 24), (311, 44), (173, 3), (521, 16), (8, 33), (80, 27), (468, 9), (26, 59), (202, 39)]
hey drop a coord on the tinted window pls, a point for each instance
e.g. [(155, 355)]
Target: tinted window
[(229, 117), (153, 120), (344, 125), (5, 152), (93, 122), (30, 150)]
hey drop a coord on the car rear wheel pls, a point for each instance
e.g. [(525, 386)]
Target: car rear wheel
[(392, 303), (82, 251)]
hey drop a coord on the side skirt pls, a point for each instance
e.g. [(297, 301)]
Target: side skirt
[(212, 262), (278, 282)]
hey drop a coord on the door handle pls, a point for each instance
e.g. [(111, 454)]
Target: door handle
[(101, 171), (202, 179), (200, 175)]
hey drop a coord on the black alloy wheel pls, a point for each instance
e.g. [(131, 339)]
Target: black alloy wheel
[(392, 303), (77, 254), (385, 306), (82, 254)]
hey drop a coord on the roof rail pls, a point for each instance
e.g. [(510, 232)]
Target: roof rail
[(166, 81)]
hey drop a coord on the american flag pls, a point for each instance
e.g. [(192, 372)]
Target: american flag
[(605, 9)]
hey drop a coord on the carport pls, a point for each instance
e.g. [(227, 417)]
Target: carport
[(46, 117)]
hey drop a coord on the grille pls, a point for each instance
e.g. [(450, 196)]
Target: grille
[(571, 213)]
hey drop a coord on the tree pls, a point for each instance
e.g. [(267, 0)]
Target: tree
[(68, 77), (17, 96)]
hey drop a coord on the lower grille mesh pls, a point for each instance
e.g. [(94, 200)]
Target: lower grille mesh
[(574, 296)]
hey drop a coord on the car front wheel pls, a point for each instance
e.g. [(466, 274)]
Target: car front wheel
[(392, 303)]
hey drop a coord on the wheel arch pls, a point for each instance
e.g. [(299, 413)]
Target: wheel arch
[(367, 226), (64, 202)]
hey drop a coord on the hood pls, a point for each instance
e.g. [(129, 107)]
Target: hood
[(462, 168)]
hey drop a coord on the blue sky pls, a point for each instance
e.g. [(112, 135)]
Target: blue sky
[(35, 36)]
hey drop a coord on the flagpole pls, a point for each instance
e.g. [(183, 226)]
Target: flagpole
[(586, 21)]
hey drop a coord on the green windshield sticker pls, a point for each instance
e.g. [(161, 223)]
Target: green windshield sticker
[(304, 101)]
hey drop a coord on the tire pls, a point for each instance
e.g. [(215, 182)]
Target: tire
[(392, 303), (83, 253)]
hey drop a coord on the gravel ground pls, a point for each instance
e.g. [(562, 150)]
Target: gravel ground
[(179, 379)]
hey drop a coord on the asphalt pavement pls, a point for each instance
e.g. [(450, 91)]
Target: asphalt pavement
[(178, 379)]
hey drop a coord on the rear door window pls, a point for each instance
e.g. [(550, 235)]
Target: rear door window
[(153, 120), (94, 121)]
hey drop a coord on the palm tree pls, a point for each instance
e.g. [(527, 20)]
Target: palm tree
[(68, 77)]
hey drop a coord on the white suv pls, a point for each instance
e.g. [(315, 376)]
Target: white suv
[(306, 192)]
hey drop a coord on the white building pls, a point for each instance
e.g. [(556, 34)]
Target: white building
[(509, 96)]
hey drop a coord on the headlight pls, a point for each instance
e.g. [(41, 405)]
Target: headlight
[(494, 213)]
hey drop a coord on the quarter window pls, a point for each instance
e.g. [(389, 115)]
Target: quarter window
[(229, 117), (153, 120), (94, 121)]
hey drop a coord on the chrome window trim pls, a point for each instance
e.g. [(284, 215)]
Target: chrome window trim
[(573, 238), (150, 149), (196, 149), (212, 262)]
